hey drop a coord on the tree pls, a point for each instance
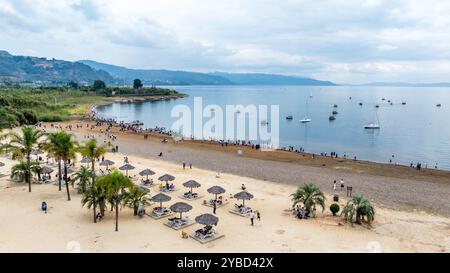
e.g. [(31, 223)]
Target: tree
[(67, 152), (83, 176), (137, 84), (99, 85), (310, 196), (137, 197), (52, 146), (22, 145), (63, 146), (360, 209), (95, 194), (23, 170), (91, 150), (115, 185)]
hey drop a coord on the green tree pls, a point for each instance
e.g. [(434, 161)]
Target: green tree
[(22, 145), (91, 150), (359, 209), (137, 84), (63, 146), (137, 197), (83, 177), (94, 194), (115, 185), (310, 196), (99, 85)]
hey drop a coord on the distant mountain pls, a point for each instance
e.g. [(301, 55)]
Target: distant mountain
[(165, 77), (405, 84), (158, 77), (24, 69), (270, 79)]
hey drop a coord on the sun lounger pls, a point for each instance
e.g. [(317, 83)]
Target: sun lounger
[(205, 233)]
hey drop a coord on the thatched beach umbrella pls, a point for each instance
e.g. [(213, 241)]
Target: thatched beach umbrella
[(47, 170), (2, 164), (160, 198), (244, 196), (207, 220), (216, 190), (191, 184), (106, 163), (86, 161), (127, 167), (181, 208), (147, 172), (37, 152), (167, 178)]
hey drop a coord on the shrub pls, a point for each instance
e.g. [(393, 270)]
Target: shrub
[(335, 208)]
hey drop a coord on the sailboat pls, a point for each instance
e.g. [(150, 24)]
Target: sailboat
[(306, 119), (373, 126)]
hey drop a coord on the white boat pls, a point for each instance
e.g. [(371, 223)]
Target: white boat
[(372, 126), (306, 120)]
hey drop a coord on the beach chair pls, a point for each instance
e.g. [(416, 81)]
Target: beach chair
[(205, 233)]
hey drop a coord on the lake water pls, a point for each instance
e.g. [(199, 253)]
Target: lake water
[(418, 131)]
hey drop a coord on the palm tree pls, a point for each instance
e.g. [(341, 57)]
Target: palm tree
[(64, 147), (137, 197), (95, 193), (91, 150), (52, 146), (83, 176), (310, 196), (115, 185), (360, 208), (22, 145)]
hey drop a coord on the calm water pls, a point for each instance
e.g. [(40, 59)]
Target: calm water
[(418, 131)]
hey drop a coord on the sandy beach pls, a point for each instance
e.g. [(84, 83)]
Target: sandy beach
[(68, 227)]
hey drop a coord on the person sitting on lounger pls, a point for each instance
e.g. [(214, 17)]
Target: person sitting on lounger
[(44, 207)]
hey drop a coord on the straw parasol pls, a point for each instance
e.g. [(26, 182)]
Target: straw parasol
[(216, 190), (207, 220), (192, 184), (160, 198), (47, 170), (181, 208), (167, 178), (244, 196), (2, 164), (106, 163), (147, 172), (127, 167)]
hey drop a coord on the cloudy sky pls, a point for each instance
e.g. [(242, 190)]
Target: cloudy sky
[(346, 41)]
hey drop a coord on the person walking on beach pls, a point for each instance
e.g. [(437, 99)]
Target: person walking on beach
[(184, 165), (342, 184), (190, 165), (258, 216), (252, 218), (335, 185)]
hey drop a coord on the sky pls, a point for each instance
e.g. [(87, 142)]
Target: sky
[(345, 41)]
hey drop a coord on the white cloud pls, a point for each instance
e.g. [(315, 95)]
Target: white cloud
[(344, 41)]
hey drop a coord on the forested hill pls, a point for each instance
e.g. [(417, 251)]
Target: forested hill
[(24, 69)]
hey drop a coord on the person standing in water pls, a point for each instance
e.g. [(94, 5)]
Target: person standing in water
[(342, 184)]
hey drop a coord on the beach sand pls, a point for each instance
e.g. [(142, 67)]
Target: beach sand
[(68, 227)]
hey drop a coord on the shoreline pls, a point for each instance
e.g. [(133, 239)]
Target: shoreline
[(393, 186)]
